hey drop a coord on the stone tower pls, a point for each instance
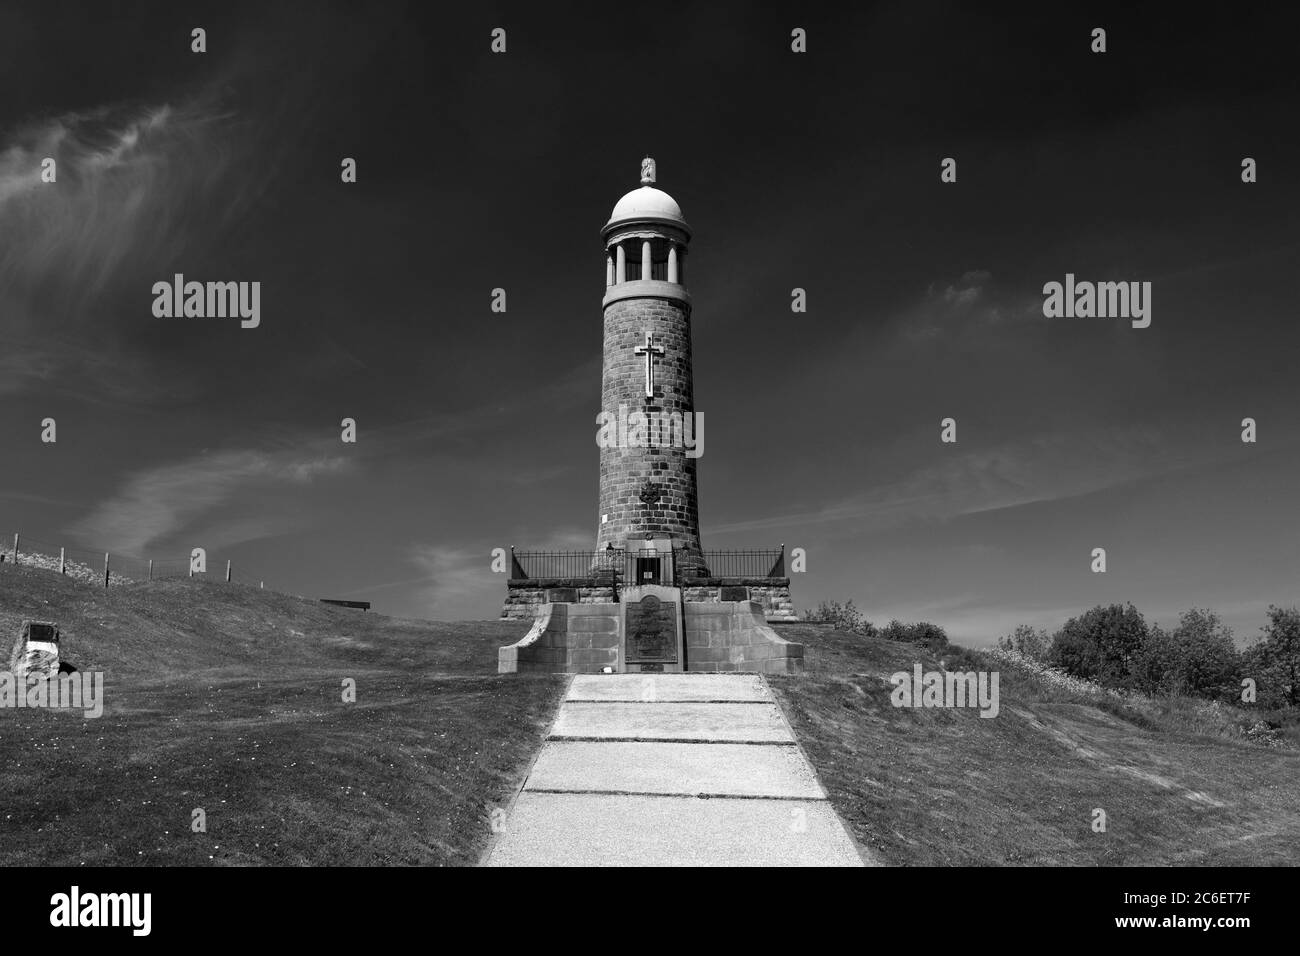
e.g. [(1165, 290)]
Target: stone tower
[(661, 609), (647, 477)]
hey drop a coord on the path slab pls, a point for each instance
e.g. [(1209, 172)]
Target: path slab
[(669, 687), (570, 829), (720, 723), (672, 770), (738, 770)]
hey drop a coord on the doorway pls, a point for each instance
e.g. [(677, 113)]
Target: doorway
[(647, 570)]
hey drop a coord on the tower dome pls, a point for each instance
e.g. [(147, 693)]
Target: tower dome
[(647, 204)]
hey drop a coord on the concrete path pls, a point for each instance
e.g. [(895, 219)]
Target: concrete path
[(672, 770)]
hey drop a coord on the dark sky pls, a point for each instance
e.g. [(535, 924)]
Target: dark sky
[(820, 171)]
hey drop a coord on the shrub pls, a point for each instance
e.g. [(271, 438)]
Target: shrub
[(843, 617), (923, 633), (958, 658), (1028, 641)]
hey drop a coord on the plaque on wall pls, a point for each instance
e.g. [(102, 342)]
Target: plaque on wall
[(562, 595), (734, 594), (651, 631)]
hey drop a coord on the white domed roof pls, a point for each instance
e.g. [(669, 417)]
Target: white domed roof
[(647, 203)]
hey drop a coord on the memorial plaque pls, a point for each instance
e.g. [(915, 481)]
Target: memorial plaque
[(562, 595), (651, 631), (734, 594)]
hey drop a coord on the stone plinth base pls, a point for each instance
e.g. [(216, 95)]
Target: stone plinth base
[(719, 636), (568, 639), (730, 636)]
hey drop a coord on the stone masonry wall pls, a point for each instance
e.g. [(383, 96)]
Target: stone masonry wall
[(524, 597), (624, 471), (772, 593), (566, 638), (732, 636)]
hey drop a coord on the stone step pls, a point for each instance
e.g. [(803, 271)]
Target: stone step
[(573, 829), (668, 687), (756, 723), (736, 770)]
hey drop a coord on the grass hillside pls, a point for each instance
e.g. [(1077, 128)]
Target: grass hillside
[(940, 786), (229, 699)]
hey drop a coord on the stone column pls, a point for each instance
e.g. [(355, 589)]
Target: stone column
[(645, 259), (672, 262), (620, 272), (609, 270)]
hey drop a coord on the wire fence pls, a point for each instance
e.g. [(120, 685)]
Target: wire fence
[(106, 568)]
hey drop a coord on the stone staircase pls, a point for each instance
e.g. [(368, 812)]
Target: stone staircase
[(672, 770)]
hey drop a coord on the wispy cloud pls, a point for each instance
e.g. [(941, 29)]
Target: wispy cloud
[(1044, 468), (136, 186), (129, 181), (970, 304), (155, 504), (97, 373)]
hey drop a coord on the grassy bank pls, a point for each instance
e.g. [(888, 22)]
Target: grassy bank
[(947, 787), (229, 699)]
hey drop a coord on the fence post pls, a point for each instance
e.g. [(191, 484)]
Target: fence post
[(15, 547), (105, 569), (151, 569), (63, 564), (227, 572)]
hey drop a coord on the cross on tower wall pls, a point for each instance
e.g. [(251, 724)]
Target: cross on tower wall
[(649, 350)]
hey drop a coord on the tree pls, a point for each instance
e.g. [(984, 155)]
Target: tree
[(1274, 661), (1076, 654), (1100, 644), (1197, 657)]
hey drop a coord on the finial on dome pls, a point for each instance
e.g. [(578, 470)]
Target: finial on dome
[(647, 171)]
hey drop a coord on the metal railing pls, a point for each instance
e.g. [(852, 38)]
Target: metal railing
[(566, 564), (765, 563)]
